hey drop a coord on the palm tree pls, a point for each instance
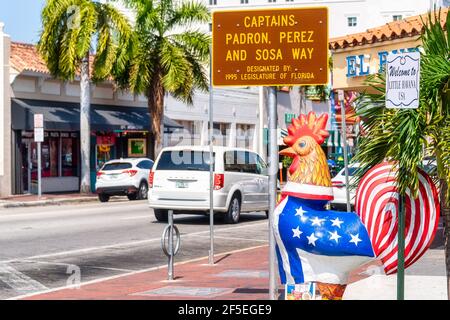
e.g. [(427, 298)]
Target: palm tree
[(170, 54), (70, 30), (406, 136)]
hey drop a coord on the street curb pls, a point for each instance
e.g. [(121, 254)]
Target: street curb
[(42, 203)]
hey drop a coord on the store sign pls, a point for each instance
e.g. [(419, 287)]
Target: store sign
[(403, 80), (288, 117), (38, 134), (270, 47), (38, 120), (106, 140), (359, 65)]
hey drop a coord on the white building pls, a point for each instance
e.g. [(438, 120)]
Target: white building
[(345, 16)]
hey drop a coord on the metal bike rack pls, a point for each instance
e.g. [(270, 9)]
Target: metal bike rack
[(167, 245)]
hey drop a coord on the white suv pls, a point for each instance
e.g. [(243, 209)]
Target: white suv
[(180, 181), (124, 177), (340, 190)]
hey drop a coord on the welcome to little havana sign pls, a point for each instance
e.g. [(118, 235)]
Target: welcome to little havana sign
[(270, 47), (403, 80)]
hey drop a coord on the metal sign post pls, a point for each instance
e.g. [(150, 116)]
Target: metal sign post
[(401, 249), (39, 169), (273, 169), (402, 68), (169, 248), (274, 59), (211, 167), (344, 141)]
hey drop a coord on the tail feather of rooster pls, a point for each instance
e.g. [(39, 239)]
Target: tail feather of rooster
[(376, 203)]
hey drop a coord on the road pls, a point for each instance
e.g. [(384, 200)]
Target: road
[(49, 247)]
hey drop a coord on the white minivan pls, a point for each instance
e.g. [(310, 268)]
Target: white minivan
[(180, 181)]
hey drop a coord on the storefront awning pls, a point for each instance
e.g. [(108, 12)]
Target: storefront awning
[(65, 116)]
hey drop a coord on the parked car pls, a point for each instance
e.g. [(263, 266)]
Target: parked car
[(340, 190), (180, 181), (127, 177)]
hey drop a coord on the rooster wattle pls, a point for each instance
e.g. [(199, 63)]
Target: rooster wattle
[(326, 246)]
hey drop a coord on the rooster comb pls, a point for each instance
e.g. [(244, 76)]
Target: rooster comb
[(309, 125)]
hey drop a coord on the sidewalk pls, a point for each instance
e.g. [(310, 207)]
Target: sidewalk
[(238, 275), (31, 200)]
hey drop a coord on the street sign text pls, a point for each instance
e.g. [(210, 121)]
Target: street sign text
[(403, 80), (271, 47)]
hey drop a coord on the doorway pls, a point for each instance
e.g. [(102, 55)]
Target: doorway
[(27, 165)]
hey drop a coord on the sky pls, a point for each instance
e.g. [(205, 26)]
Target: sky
[(22, 19)]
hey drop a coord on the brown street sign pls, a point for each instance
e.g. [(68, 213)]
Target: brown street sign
[(270, 47)]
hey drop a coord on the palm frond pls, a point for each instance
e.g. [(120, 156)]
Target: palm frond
[(188, 13)]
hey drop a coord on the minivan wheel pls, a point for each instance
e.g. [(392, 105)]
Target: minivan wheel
[(161, 215), (103, 197), (234, 211), (143, 191)]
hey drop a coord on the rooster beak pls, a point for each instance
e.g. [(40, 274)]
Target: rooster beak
[(288, 152)]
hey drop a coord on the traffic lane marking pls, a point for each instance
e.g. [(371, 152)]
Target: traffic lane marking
[(235, 238), (72, 264), (128, 244), (131, 273), (65, 210), (18, 281)]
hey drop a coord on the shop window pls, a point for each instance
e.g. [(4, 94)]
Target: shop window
[(137, 148), (352, 21), (221, 128), (59, 153)]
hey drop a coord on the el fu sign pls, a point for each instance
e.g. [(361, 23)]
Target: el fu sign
[(270, 47), (403, 80)]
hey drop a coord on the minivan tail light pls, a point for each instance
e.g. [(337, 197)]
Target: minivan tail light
[(338, 184), (131, 173), (100, 173), (219, 180), (150, 179)]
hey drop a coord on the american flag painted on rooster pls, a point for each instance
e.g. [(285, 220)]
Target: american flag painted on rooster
[(377, 202), (325, 246)]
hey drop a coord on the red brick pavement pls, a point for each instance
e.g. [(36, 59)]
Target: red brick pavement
[(196, 274)]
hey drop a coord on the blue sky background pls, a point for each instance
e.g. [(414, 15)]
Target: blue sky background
[(22, 19)]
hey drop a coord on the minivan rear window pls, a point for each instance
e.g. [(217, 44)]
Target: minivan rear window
[(117, 166), (184, 160)]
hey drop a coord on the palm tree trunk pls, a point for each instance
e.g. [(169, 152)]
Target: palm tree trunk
[(445, 212), (155, 98), (85, 130)]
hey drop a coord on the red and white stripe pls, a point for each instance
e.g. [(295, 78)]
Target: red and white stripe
[(377, 202)]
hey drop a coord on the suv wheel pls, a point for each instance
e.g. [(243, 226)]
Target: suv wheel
[(234, 211), (143, 191), (161, 215), (103, 197)]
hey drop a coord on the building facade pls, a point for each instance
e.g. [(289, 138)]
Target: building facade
[(356, 56), (119, 123), (345, 16)]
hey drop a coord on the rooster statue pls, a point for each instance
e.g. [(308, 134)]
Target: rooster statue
[(320, 246)]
